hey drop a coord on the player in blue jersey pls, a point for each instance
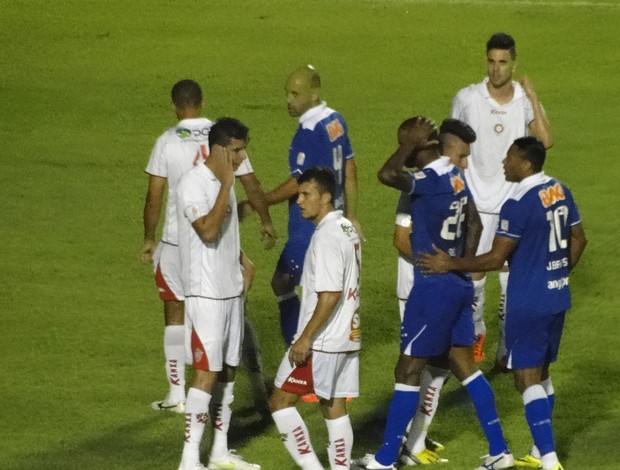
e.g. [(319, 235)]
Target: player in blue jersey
[(541, 236), (438, 315), (321, 140)]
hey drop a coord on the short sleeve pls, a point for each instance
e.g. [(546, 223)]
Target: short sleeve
[(511, 220), (157, 163)]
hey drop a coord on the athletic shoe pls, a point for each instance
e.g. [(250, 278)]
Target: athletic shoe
[(478, 348), (495, 462), (558, 466), (165, 405), (421, 458), (197, 466), (368, 462), (433, 445), (528, 461), (309, 398), (232, 462)]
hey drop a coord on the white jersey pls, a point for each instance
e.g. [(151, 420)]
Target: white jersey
[(175, 152), (210, 270), (332, 264), (497, 126), (404, 280)]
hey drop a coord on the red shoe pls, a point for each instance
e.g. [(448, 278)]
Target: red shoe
[(479, 348), (309, 398)]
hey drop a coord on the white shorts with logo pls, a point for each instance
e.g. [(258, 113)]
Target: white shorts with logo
[(167, 268), (213, 332), (328, 375)]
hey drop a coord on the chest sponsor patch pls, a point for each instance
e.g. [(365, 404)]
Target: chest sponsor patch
[(334, 130), (551, 195), (457, 184)]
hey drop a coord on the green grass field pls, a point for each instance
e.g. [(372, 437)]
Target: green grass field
[(83, 95)]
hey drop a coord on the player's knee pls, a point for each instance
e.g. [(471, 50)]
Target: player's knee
[(279, 400), (408, 370)]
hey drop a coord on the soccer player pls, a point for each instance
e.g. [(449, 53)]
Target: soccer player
[(321, 140), (213, 287), (438, 317), (455, 138), (176, 151), (323, 358), (499, 110), (541, 235)]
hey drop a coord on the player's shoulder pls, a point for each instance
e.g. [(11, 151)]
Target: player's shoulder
[(469, 92)]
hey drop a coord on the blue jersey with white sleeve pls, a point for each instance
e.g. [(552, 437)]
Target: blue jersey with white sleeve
[(321, 140), (439, 197), (539, 217)]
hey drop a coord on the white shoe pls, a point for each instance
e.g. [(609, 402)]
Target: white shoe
[(232, 462), (369, 462), (495, 462), (197, 466), (165, 405)]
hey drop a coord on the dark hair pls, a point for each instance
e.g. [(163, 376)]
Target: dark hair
[(315, 78), (225, 129), (186, 93), (457, 128), (532, 150), (503, 41), (323, 177), (410, 122)]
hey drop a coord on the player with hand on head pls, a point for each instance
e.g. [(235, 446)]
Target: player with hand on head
[(176, 152), (324, 356), (437, 318), (541, 236), (499, 109), (214, 288)]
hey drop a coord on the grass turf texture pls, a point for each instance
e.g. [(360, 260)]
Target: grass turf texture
[(84, 94)]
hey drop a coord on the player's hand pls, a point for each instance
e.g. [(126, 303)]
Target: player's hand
[(438, 263), (300, 351), (268, 236), (222, 165), (422, 134), (528, 88), (146, 253)]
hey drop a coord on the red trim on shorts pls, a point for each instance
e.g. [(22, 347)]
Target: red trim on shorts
[(165, 293), (199, 355), (300, 379)]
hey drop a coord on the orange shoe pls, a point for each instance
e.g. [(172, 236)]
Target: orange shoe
[(349, 399), (309, 398), (479, 348)]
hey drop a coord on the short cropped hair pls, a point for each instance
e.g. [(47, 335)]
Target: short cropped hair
[(323, 177), (186, 94), (458, 129), (225, 129), (504, 42), (315, 78), (533, 151)]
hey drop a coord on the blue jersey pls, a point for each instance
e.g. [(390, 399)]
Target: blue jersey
[(539, 217), (439, 197), (321, 140)]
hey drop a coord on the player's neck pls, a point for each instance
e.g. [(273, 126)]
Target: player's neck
[(321, 215), (502, 94)]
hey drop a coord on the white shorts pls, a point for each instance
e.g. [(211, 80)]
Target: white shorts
[(167, 268), (329, 375), (489, 227), (213, 332)]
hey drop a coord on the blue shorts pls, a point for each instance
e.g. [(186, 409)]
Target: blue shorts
[(291, 261), (533, 341), (437, 316)]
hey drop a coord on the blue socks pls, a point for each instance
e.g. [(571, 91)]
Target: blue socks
[(538, 416)]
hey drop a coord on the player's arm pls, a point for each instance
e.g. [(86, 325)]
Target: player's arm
[(473, 229), (257, 199), (248, 273), (282, 193), (350, 195), (577, 243), (441, 262), (539, 127), (152, 210), (302, 347)]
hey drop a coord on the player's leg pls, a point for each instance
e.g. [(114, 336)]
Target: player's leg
[(167, 279), (290, 383), (221, 412), (500, 356), (250, 356), (285, 278)]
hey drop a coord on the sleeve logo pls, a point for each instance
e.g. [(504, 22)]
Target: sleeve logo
[(334, 130)]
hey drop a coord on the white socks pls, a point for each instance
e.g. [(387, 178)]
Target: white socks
[(501, 315), (478, 307), (174, 351), (220, 418), (196, 416), (340, 442), (296, 438)]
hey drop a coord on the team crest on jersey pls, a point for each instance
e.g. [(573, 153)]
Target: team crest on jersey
[(457, 183), (347, 229), (301, 158), (198, 354), (551, 195), (183, 133), (334, 130)]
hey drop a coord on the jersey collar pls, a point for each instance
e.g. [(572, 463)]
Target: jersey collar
[(309, 119), (517, 95)]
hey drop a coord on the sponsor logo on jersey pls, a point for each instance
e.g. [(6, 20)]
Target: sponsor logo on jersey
[(457, 183), (551, 195), (301, 158), (356, 332), (347, 229), (294, 380), (504, 225), (557, 283), (334, 130), (557, 264), (183, 133)]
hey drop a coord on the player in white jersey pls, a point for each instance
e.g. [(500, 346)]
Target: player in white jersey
[(499, 110), (175, 152), (323, 357), (213, 286)]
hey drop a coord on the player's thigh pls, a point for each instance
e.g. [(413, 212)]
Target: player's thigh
[(489, 227), (207, 319), (295, 379), (234, 331), (335, 375), (166, 263), (533, 341)]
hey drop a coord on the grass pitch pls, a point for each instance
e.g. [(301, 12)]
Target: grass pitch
[(84, 94)]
